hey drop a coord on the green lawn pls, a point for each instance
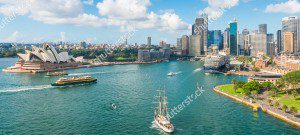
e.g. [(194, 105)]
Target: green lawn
[(229, 89), (290, 103)]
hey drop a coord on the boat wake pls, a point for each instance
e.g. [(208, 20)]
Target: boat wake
[(88, 73), (26, 88), (197, 70)]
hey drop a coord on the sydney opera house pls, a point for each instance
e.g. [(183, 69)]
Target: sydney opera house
[(44, 59)]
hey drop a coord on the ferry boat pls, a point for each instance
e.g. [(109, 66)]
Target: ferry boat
[(74, 81), (57, 74), (161, 116)]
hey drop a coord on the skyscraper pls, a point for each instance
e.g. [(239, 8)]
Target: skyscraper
[(257, 43), (149, 41), (270, 38), (201, 28), (195, 47), (292, 24), (185, 45), (215, 37), (288, 41), (179, 45), (263, 29), (226, 38), (279, 41), (233, 38)]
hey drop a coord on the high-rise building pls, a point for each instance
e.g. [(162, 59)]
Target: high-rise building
[(195, 47), (270, 45), (271, 48), (241, 43), (292, 24), (279, 41), (149, 41), (245, 32), (179, 45), (257, 43), (263, 29), (201, 28), (215, 37), (233, 38), (226, 38), (288, 41), (270, 38), (185, 45)]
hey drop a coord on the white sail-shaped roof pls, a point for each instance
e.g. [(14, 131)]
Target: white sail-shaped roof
[(45, 54)]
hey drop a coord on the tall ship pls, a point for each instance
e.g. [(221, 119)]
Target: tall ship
[(161, 116), (216, 63), (74, 81)]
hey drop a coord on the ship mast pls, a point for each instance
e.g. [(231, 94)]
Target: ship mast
[(165, 104)]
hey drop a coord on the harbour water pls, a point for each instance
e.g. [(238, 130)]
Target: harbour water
[(29, 105)]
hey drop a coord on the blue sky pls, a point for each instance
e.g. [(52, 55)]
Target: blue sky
[(106, 21)]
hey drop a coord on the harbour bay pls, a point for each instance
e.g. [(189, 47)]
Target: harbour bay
[(29, 105)]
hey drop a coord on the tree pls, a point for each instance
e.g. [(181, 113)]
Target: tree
[(266, 86), (276, 104), (254, 94), (269, 102), (292, 79), (293, 110), (233, 81), (251, 86), (284, 108)]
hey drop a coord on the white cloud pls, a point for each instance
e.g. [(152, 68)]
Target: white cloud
[(289, 7), (88, 2), (216, 8), (123, 13), (124, 9), (14, 37)]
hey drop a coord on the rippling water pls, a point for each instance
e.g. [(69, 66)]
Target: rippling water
[(29, 105)]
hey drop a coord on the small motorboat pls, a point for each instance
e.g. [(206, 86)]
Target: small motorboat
[(171, 74)]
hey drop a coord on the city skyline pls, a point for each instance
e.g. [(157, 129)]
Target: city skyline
[(96, 22)]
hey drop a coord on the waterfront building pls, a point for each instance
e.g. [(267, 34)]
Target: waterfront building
[(44, 59), (185, 45), (279, 46), (288, 42), (265, 77), (263, 29), (196, 48), (233, 38), (149, 41), (143, 55), (292, 25)]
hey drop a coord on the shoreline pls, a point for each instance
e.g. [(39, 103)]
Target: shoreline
[(7, 70), (257, 105)]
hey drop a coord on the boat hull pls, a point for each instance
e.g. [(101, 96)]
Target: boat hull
[(74, 83), (163, 128)]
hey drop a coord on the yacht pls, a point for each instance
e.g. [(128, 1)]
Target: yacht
[(171, 74)]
